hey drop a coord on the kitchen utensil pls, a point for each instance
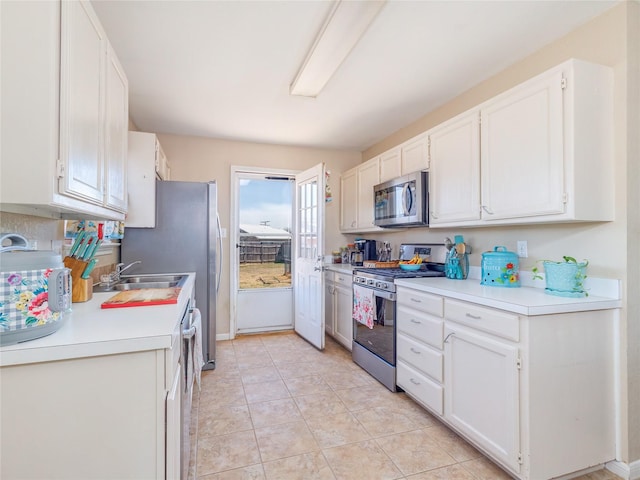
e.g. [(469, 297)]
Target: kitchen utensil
[(76, 243), (500, 268), (89, 268)]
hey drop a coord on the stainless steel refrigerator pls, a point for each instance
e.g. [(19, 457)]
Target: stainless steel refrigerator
[(185, 239)]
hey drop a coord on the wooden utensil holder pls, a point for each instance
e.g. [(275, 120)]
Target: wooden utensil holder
[(81, 288)]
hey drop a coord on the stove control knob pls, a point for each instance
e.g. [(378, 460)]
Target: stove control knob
[(380, 285), (370, 282)]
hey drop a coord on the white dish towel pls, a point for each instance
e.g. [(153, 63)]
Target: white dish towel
[(197, 358)]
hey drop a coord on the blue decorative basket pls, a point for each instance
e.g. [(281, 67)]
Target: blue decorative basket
[(500, 268)]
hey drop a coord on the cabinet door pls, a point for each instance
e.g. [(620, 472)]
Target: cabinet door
[(523, 152), (116, 126), (82, 53), (368, 177), (344, 308), (482, 391), (173, 421), (415, 155), (329, 303), (349, 200), (454, 180), (390, 165)]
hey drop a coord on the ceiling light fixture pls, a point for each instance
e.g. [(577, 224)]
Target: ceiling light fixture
[(345, 25)]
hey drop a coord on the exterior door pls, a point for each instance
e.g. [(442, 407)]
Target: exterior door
[(262, 295), (309, 245)]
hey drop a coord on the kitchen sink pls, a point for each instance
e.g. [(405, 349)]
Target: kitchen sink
[(143, 281)]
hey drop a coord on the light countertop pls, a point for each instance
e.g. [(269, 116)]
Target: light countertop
[(344, 268), (92, 331), (524, 300)]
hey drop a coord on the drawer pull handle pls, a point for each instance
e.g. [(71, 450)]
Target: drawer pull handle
[(417, 352), (414, 381), (446, 339), (413, 320), (475, 317), (417, 300)]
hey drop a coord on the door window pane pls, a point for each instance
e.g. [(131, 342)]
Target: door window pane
[(265, 209)]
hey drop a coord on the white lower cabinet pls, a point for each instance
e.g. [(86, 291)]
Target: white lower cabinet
[(338, 307), (534, 393), (483, 394), (109, 416)]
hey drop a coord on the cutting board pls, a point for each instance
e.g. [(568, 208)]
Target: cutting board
[(143, 297)]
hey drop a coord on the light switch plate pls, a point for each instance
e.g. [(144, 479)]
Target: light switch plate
[(522, 249)]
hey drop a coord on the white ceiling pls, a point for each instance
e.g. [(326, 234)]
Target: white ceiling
[(222, 68)]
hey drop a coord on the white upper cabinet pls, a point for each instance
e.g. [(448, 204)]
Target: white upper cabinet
[(64, 127), (356, 197), (117, 126), (544, 154), (349, 200), (522, 150), (390, 164), (415, 154), (146, 162), (368, 177), (454, 174)]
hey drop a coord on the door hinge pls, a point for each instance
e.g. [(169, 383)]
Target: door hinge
[(565, 198), (519, 363), (520, 458), (60, 168), (563, 83)]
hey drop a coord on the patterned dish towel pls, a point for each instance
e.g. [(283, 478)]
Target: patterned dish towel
[(364, 305)]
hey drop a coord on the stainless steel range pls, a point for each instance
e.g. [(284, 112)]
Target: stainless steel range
[(374, 309)]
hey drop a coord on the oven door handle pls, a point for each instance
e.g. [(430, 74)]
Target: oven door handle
[(382, 294)]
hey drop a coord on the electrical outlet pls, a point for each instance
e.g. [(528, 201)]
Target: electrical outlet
[(522, 249)]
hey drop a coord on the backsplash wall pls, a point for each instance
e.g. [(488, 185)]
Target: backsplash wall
[(42, 233)]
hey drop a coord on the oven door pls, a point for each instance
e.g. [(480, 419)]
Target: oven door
[(381, 338)]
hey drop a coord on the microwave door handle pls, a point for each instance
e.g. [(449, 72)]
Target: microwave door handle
[(407, 199)]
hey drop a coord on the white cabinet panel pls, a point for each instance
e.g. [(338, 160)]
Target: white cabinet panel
[(145, 157), (415, 154), (83, 50), (349, 200), (117, 125), (483, 397), (390, 164), (523, 151), (454, 179), (425, 391), (368, 177)]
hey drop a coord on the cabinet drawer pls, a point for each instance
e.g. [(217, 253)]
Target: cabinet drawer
[(426, 328), (342, 279), (497, 322), (422, 357), (425, 391), (424, 302)]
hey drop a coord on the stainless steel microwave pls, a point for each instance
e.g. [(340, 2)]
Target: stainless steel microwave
[(402, 202)]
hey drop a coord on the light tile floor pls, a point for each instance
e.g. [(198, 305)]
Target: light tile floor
[(276, 408)]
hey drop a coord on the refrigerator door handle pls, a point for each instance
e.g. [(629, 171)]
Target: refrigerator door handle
[(220, 253)]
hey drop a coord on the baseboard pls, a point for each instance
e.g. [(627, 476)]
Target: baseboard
[(626, 471), (223, 336)]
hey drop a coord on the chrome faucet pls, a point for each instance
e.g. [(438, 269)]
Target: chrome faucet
[(120, 268)]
